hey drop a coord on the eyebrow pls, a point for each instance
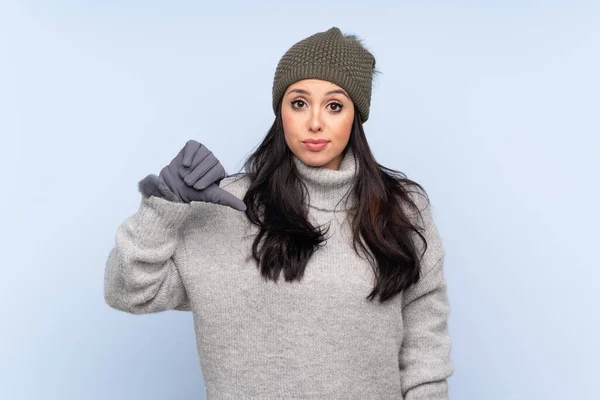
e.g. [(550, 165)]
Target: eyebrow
[(302, 91)]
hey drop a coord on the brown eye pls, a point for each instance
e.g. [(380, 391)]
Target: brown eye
[(336, 107), (298, 103)]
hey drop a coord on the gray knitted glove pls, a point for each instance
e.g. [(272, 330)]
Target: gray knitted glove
[(193, 175)]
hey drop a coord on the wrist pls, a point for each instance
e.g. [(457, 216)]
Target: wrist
[(153, 185)]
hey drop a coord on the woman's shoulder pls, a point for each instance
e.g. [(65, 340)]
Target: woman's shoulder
[(418, 199), (236, 184), (215, 219)]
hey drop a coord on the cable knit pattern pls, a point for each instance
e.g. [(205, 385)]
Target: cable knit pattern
[(319, 338), (331, 56)]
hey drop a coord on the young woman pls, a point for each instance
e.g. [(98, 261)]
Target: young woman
[(317, 273)]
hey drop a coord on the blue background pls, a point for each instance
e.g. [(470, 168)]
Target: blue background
[(492, 106)]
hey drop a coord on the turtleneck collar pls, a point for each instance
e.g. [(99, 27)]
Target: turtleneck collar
[(329, 189)]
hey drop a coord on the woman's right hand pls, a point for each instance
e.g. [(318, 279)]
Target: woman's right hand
[(194, 175)]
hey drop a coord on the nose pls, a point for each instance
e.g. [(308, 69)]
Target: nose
[(315, 123)]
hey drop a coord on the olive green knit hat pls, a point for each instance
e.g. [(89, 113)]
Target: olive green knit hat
[(330, 56)]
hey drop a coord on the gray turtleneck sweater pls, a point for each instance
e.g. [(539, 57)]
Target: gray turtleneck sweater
[(315, 339)]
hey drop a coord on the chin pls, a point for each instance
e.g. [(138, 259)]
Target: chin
[(314, 159)]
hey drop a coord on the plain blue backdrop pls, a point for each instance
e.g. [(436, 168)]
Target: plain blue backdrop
[(492, 106)]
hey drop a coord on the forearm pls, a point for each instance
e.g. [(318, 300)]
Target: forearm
[(425, 361), (141, 274)]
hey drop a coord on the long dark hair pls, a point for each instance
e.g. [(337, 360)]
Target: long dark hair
[(286, 239)]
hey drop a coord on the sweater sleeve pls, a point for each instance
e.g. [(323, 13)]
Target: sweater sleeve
[(141, 274), (425, 361)]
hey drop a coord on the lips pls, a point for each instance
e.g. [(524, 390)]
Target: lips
[(315, 144), (315, 141)]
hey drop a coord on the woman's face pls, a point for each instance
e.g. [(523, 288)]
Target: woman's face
[(319, 111)]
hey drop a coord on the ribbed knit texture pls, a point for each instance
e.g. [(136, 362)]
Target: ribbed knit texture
[(331, 56), (314, 339), (329, 189)]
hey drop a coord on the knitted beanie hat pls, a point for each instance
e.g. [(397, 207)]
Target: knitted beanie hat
[(333, 57)]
